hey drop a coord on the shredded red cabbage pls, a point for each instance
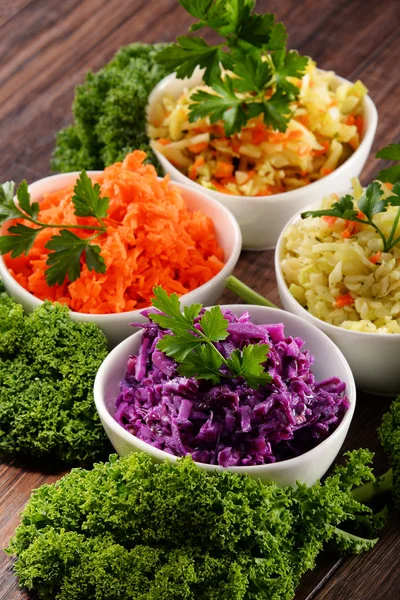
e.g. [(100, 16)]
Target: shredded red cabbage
[(230, 424)]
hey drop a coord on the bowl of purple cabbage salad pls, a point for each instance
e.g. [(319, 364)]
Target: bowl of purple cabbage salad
[(247, 388)]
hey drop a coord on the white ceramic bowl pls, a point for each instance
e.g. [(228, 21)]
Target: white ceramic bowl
[(373, 357), (307, 468), (261, 218), (117, 326)]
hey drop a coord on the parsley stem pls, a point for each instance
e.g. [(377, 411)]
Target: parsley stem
[(392, 233), (209, 342), (246, 293), (55, 226), (396, 241), (370, 221)]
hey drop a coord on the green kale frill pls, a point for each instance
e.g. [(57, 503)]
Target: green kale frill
[(134, 530), (47, 368), (110, 112)]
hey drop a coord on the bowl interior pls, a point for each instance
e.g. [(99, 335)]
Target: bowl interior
[(329, 362)]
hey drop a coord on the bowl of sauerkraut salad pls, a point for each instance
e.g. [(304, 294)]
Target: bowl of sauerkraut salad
[(264, 176), (336, 274)]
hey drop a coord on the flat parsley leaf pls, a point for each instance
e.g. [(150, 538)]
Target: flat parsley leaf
[(394, 199), (87, 200), (214, 325), (94, 260), (249, 364), (276, 111), (224, 105), (8, 209), (192, 342), (24, 201), (202, 363), (20, 241), (278, 38), (372, 201), (196, 8), (65, 260), (254, 50), (178, 346), (190, 53), (258, 29), (343, 209), (390, 174), (171, 316), (390, 152), (254, 74)]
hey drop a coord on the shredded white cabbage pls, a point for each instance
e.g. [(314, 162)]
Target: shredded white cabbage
[(324, 131), (346, 281)]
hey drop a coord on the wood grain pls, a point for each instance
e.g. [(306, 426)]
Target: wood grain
[(46, 47)]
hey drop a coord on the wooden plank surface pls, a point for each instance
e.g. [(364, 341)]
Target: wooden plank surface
[(46, 46)]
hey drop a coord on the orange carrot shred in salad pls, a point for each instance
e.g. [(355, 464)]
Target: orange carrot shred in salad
[(152, 239)]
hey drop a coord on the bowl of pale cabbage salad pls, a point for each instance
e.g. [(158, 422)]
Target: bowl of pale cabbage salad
[(338, 275), (262, 175)]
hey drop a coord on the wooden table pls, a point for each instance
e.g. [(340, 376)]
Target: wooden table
[(46, 46)]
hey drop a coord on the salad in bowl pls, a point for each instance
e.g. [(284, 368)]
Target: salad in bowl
[(338, 267), (256, 124)]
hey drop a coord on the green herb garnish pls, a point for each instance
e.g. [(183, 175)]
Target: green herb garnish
[(372, 202), (255, 56), (192, 343), (67, 248)]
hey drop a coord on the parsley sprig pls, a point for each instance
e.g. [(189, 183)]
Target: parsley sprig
[(254, 50), (192, 341), (372, 202), (67, 248)]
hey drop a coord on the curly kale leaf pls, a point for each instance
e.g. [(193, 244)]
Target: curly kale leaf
[(389, 434), (47, 368), (129, 528), (110, 112)]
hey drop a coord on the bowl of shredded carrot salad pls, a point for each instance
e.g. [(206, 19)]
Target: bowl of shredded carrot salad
[(157, 234), (254, 172)]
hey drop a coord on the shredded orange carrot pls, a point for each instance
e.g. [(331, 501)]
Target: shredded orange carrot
[(220, 187), (152, 239), (326, 171), (359, 123), (276, 137), (351, 228), (197, 148), (259, 133), (375, 257), (235, 144), (330, 220), (199, 162), (304, 120), (324, 149), (164, 141), (303, 150), (345, 300), (223, 169)]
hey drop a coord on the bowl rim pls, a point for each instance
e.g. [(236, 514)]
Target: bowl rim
[(118, 430), (102, 317), (306, 315), (371, 120)]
